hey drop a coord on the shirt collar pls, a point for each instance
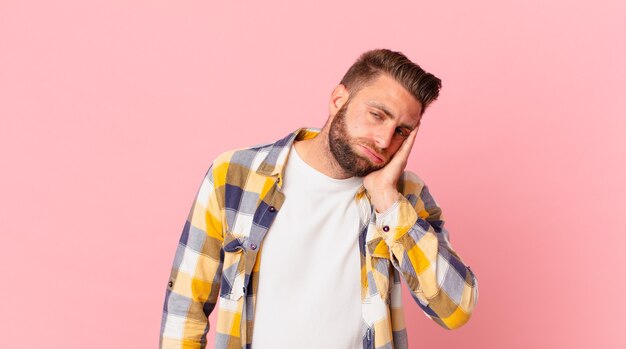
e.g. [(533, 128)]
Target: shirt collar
[(274, 162)]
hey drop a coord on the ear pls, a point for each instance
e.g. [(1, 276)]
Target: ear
[(338, 98)]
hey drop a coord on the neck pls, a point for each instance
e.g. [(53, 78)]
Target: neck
[(316, 153)]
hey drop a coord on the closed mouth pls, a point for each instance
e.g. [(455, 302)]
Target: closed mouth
[(374, 156)]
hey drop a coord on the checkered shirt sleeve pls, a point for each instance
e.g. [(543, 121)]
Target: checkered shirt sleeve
[(194, 282), (443, 286)]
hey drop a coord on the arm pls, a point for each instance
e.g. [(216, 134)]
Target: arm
[(194, 282), (412, 228), (443, 286)]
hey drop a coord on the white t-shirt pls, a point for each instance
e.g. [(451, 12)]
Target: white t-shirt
[(309, 292)]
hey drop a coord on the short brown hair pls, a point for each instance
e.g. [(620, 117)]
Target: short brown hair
[(422, 85)]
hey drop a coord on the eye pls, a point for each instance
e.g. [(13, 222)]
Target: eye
[(376, 115), (401, 132)]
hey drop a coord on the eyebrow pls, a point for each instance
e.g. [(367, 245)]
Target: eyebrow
[(387, 112)]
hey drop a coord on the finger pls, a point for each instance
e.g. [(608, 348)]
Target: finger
[(408, 143), (402, 155)]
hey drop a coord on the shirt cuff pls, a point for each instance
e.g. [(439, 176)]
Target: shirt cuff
[(396, 220)]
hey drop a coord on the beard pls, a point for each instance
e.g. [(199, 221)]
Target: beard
[(340, 144)]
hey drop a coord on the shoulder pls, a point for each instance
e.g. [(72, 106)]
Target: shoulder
[(243, 156), (233, 166)]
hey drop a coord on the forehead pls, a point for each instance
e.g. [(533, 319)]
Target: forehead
[(386, 91)]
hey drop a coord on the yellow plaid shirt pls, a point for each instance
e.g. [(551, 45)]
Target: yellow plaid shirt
[(221, 242)]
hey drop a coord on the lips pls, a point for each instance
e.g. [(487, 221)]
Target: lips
[(372, 155)]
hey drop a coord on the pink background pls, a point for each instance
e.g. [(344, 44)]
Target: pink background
[(111, 112)]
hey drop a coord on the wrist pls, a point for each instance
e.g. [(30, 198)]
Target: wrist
[(382, 200)]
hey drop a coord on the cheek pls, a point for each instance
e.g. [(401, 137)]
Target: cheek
[(363, 126), (354, 127), (395, 146)]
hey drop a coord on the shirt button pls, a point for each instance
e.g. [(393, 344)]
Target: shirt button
[(272, 209), (253, 246), (386, 228), (170, 284)]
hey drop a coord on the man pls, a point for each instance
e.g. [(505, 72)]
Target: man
[(305, 240)]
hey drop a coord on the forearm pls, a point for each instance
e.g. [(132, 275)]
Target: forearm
[(190, 297), (194, 282), (444, 287)]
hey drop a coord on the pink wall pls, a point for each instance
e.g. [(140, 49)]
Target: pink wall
[(112, 110)]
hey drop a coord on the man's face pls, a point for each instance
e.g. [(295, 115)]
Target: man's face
[(369, 128)]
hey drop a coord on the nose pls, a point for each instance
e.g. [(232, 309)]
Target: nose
[(383, 136)]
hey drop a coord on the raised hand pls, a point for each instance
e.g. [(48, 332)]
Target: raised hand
[(381, 185)]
